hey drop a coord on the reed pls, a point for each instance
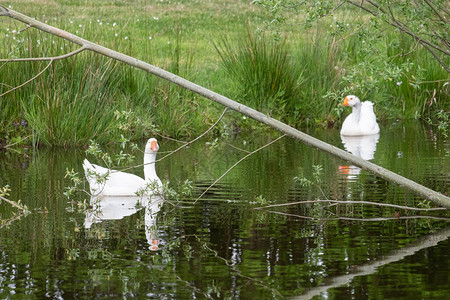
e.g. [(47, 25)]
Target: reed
[(266, 77), (300, 79)]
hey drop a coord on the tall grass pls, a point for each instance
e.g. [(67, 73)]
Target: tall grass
[(266, 77), (300, 79), (76, 99)]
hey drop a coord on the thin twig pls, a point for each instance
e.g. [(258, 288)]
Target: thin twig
[(237, 148), (22, 208), (354, 202), (59, 57), (251, 153), (28, 81), (22, 139), (181, 147)]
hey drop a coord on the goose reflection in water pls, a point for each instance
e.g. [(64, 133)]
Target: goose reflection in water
[(362, 146), (119, 207)]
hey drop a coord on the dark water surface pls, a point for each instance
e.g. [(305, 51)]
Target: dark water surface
[(223, 246)]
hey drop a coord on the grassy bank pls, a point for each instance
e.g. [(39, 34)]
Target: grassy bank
[(300, 79)]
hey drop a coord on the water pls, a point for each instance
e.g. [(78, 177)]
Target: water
[(224, 246)]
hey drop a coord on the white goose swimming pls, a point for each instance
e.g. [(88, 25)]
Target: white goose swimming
[(362, 120), (119, 183)]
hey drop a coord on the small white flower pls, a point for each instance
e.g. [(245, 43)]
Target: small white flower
[(115, 34), (100, 23), (80, 25), (126, 38), (14, 31), (399, 83), (155, 18), (149, 37), (168, 42), (114, 24)]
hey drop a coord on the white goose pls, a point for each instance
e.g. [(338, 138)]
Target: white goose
[(362, 120), (119, 183)]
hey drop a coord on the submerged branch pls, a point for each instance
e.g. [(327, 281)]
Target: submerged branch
[(357, 219), (354, 202)]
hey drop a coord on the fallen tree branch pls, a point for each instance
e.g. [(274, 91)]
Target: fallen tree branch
[(423, 191)]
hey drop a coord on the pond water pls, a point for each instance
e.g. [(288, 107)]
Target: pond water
[(226, 246)]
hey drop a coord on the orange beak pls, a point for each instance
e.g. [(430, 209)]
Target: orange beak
[(154, 146), (345, 102)]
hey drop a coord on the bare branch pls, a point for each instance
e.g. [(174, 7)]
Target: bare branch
[(425, 192), (181, 147), (251, 153), (81, 49), (13, 203), (404, 29), (28, 81), (443, 19)]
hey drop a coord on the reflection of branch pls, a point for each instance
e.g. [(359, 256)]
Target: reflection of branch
[(260, 148), (354, 202), (10, 220), (238, 272), (424, 242)]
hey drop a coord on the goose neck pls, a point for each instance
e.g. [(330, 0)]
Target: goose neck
[(149, 165)]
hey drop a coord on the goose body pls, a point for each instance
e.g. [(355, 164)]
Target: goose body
[(362, 120), (106, 182)]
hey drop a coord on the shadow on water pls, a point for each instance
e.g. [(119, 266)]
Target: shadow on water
[(222, 247)]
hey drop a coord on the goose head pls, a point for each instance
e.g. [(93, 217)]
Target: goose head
[(351, 101), (152, 146)]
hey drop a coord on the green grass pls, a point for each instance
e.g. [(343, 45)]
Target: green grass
[(300, 79)]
